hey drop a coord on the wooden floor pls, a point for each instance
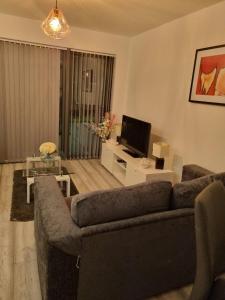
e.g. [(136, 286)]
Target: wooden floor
[(18, 266)]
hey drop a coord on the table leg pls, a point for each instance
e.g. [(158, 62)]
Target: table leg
[(60, 166), (68, 187), (27, 168), (28, 192)]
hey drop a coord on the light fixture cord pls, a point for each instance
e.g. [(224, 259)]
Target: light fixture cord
[(56, 4)]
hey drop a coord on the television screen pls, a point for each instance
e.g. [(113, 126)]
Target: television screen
[(135, 135)]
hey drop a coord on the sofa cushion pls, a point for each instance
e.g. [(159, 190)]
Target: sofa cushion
[(184, 193), (194, 171), (116, 204)]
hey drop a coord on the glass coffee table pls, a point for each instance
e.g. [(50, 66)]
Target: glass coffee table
[(37, 166), (59, 178), (52, 166)]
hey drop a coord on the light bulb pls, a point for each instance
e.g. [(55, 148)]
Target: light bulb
[(55, 24)]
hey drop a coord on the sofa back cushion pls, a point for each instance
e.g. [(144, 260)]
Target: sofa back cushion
[(184, 193), (116, 204), (194, 171)]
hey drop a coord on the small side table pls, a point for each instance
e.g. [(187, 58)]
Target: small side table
[(59, 178)]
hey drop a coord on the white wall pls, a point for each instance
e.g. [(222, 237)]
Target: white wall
[(29, 30), (161, 64)]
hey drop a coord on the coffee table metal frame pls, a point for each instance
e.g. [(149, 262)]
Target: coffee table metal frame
[(59, 178)]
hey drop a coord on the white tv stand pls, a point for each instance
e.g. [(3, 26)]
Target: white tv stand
[(127, 169)]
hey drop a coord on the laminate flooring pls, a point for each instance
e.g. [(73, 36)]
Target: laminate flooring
[(18, 266)]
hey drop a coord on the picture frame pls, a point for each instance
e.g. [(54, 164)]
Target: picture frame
[(208, 77)]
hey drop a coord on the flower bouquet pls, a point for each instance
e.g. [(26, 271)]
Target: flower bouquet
[(104, 129), (47, 150)]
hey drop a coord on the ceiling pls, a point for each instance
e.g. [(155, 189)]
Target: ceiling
[(124, 17)]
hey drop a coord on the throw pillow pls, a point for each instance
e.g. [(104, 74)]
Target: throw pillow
[(184, 193)]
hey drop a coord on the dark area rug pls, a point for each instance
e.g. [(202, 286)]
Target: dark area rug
[(22, 211)]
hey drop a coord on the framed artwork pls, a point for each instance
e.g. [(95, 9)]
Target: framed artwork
[(208, 78)]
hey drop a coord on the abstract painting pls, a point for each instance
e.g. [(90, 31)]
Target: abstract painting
[(208, 78)]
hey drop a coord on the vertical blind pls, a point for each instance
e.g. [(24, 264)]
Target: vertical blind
[(29, 98), (3, 146), (85, 97)]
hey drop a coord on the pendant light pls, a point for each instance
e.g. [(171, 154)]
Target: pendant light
[(55, 25)]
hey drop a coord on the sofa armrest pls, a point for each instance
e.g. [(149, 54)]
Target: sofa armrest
[(53, 218), (194, 171), (137, 221)]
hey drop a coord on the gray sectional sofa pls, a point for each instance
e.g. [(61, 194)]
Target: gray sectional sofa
[(123, 244)]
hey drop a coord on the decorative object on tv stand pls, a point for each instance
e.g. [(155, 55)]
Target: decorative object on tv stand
[(55, 25), (104, 129), (160, 151)]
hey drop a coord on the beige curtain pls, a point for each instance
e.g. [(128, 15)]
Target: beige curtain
[(3, 149), (29, 99)]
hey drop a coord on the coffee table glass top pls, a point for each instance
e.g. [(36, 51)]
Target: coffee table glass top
[(37, 166)]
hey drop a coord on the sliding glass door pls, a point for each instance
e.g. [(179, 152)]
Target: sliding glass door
[(86, 88)]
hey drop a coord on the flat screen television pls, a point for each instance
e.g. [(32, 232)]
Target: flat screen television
[(135, 135)]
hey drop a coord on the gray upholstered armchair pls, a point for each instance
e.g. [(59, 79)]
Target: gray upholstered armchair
[(210, 239)]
